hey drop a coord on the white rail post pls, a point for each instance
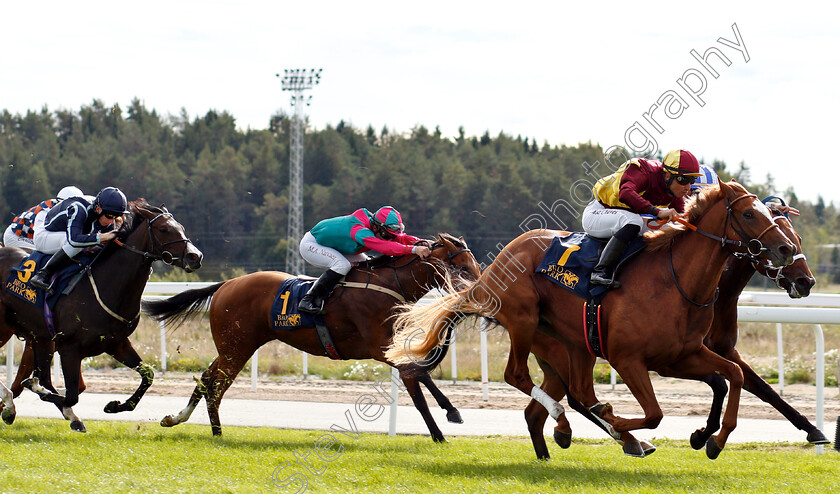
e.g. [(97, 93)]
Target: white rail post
[(612, 377), (454, 356), (392, 419), (162, 347), (57, 366), (781, 355), (818, 333), (485, 377), (305, 364), (10, 360), (255, 366)]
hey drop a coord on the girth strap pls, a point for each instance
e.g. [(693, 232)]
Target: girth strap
[(376, 288)]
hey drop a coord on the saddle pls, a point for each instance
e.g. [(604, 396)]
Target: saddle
[(65, 281), (568, 262)]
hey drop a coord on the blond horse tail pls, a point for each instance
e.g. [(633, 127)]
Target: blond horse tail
[(420, 329)]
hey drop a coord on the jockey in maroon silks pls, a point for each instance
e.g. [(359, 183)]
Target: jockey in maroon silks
[(639, 186), (337, 243)]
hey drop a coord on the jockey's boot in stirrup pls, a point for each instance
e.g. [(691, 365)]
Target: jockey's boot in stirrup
[(42, 277), (604, 272), (313, 301)]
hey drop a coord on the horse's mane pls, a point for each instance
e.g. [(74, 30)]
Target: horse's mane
[(135, 219), (695, 208)]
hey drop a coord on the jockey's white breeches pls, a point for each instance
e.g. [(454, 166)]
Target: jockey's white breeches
[(327, 257)]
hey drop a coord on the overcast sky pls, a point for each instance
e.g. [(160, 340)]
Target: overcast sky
[(562, 74)]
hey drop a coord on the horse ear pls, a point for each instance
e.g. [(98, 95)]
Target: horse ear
[(163, 207), (446, 243)]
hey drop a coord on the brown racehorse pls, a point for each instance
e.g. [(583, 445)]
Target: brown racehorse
[(359, 321), (102, 311), (796, 279), (675, 278)]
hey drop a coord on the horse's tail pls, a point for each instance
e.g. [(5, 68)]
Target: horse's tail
[(421, 329), (180, 307)]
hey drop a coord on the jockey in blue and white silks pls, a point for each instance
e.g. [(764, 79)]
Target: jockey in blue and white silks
[(75, 224)]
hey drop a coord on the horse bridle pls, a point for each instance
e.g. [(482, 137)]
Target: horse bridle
[(147, 255), (427, 265), (732, 222), (166, 255), (768, 266)]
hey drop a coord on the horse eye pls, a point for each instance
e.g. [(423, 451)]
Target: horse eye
[(749, 214), (163, 230)]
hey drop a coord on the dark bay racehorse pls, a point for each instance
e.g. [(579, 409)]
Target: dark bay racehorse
[(658, 325), (359, 321), (102, 311), (796, 279)]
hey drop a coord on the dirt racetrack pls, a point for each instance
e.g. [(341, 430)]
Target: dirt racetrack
[(676, 397)]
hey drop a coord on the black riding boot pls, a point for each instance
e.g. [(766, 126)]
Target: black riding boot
[(604, 272), (42, 277), (313, 301)]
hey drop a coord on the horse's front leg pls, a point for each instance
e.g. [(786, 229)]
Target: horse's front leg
[(635, 376), (125, 353), (705, 362)]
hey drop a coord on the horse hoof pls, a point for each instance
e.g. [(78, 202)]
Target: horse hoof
[(168, 421), (29, 383), (8, 415), (634, 449), (817, 437), (562, 439), (454, 416), (698, 439), (78, 426), (113, 407), (648, 448), (439, 439), (712, 449)]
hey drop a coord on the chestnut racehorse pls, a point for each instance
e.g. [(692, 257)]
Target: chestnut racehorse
[(657, 322), (796, 279), (359, 320)]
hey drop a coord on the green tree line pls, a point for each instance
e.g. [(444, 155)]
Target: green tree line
[(229, 187)]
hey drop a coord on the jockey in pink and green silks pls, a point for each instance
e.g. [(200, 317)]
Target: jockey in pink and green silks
[(337, 243)]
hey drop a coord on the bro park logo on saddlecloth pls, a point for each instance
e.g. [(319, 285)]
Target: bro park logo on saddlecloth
[(562, 275), (17, 283)]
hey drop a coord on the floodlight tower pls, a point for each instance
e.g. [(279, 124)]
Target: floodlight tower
[(297, 81)]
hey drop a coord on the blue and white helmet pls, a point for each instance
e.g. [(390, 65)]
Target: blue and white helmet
[(111, 200), (707, 178)]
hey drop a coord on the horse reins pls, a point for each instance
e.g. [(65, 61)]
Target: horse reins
[(146, 255), (401, 295), (724, 242)]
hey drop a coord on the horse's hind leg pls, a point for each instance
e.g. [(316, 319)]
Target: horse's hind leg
[(229, 367), (452, 413), (759, 387), (413, 387), (8, 413), (198, 393), (536, 414)]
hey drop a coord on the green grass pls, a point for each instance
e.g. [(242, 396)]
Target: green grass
[(44, 455)]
